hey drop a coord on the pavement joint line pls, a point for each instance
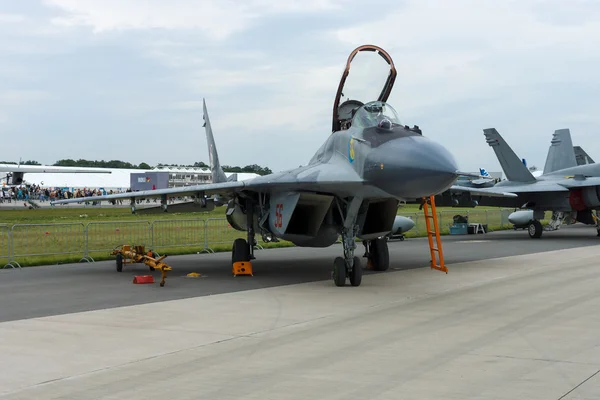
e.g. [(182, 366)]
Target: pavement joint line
[(579, 385), (534, 359)]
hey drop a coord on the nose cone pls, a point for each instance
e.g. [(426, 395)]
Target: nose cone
[(411, 167)]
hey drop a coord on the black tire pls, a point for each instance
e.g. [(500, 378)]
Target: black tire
[(380, 255), (356, 274), (535, 229), (339, 271), (119, 263), (240, 251)]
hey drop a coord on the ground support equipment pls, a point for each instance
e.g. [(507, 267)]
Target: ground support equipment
[(127, 254)]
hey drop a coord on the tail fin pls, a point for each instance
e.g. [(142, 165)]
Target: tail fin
[(560, 154), (513, 167), (215, 167), (484, 173), (581, 156)]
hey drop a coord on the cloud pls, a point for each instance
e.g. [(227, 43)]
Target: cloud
[(6, 19), (217, 20)]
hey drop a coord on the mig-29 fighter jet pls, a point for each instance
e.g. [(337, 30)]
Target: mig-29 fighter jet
[(351, 187)]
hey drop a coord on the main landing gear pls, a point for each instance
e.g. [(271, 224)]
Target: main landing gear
[(535, 229), (349, 265), (377, 254), (242, 251)]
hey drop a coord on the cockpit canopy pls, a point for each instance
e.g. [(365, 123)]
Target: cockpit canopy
[(375, 113)]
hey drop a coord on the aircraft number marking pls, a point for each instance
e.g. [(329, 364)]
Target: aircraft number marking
[(278, 216)]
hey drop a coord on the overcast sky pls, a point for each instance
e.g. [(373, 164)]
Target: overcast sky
[(124, 79)]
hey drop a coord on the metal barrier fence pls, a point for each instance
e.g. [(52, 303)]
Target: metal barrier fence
[(6, 248), (29, 240), (103, 237), (179, 233), (22, 242)]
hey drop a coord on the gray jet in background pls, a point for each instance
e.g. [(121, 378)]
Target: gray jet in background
[(569, 186), (351, 187)]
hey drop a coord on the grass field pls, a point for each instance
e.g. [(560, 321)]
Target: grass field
[(63, 235)]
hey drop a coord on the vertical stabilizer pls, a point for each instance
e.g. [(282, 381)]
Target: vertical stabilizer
[(215, 167), (560, 154), (513, 167), (581, 156)]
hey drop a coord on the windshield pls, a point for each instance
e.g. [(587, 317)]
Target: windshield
[(371, 114)]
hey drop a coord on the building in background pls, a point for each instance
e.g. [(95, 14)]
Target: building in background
[(149, 180)]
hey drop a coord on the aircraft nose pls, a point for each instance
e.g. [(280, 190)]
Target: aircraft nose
[(411, 167)]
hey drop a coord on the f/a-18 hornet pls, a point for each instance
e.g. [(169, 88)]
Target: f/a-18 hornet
[(567, 187), (351, 187)]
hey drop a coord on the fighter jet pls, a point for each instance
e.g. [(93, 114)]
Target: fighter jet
[(570, 191), (484, 180), (15, 172), (351, 187)]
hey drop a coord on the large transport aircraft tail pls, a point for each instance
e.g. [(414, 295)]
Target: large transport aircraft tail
[(513, 167), (560, 154), (218, 175)]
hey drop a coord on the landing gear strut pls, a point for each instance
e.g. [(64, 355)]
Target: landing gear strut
[(349, 266)]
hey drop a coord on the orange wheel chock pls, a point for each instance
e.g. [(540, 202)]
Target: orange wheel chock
[(242, 268)]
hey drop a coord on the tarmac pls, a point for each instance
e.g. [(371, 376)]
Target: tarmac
[(514, 318)]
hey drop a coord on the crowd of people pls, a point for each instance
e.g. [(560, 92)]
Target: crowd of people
[(44, 194), (38, 194)]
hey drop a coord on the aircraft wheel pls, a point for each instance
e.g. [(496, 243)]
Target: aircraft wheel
[(356, 274), (119, 263), (380, 256), (339, 271), (535, 229), (240, 251)]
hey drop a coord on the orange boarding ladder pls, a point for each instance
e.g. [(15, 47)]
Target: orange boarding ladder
[(432, 219)]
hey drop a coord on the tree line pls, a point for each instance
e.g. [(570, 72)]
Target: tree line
[(254, 168)]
